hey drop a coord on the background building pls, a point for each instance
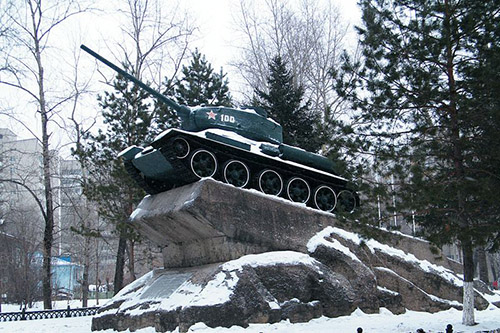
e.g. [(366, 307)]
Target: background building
[(21, 202)]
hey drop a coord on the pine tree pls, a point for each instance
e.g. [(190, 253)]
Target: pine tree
[(128, 121), (200, 85), (284, 103), (432, 120)]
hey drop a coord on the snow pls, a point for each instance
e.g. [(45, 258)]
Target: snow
[(134, 285), (374, 245), (219, 289), (433, 297), (320, 239), (269, 259), (37, 306), (137, 212), (216, 291), (392, 292), (183, 295), (384, 322), (255, 148), (126, 150)]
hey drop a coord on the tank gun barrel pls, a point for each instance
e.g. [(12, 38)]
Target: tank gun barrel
[(182, 111)]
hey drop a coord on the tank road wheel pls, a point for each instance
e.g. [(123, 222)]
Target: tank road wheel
[(181, 148), (203, 163), (236, 173), (270, 182), (298, 190), (346, 201), (325, 198)]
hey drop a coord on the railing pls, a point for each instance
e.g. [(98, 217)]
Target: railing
[(47, 314)]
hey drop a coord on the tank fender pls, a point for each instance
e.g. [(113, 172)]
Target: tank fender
[(130, 152), (302, 156)]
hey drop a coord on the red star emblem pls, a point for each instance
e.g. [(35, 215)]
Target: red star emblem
[(211, 115)]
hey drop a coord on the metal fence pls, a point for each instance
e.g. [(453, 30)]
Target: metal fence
[(47, 314)]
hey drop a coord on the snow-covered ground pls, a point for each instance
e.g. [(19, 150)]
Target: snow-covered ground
[(384, 322), (55, 305)]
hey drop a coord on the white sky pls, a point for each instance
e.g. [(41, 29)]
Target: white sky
[(215, 19)]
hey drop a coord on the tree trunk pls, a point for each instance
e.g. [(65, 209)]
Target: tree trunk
[(468, 297), (27, 291), (97, 271), (48, 236), (131, 260), (459, 174), (120, 263), (482, 264), (85, 278), (85, 285)]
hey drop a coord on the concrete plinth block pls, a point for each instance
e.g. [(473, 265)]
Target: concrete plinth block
[(208, 221)]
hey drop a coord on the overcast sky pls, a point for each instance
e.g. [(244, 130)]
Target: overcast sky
[(215, 20), (216, 35)]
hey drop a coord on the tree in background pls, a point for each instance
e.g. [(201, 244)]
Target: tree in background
[(200, 85), (20, 255), (151, 37), (26, 45), (284, 104), (128, 120), (427, 94), (309, 36), (156, 36)]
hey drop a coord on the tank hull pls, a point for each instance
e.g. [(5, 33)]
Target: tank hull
[(177, 158)]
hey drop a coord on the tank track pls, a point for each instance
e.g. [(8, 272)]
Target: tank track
[(136, 175), (183, 174), (256, 164)]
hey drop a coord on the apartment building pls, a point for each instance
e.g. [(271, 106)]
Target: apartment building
[(21, 186), (22, 201)]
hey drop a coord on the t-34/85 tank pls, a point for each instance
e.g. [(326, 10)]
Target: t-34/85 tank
[(242, 147)]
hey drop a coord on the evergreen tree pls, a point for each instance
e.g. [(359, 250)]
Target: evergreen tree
[(165, 117), (283, 101), (128, 121), (200, 85), (428, 92)]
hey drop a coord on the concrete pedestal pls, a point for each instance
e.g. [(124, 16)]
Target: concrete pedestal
[(208, 222)]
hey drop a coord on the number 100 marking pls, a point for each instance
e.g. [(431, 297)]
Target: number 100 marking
[(227, 118)]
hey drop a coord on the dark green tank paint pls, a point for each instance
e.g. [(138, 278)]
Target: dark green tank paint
[(157, 168)]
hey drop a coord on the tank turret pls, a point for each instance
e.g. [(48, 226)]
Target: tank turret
[(240, 146), (249, 122)]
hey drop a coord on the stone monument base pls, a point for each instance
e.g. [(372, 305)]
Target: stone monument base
[(209, 222), (234, 257)]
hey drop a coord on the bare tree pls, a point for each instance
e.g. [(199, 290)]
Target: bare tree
[(18, 251), (310, 37), (151, 31), (153, 34), (155, 39), (33, 22)]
